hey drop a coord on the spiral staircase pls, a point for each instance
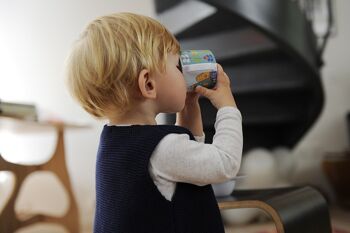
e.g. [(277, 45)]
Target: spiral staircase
[(270, 51)]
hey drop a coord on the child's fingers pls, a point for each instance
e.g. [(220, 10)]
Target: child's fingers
[(203, 91), (222, 77), (219, 68), (222, 80), (192, 96)]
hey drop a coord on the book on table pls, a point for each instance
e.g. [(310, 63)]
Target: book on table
[(18, 110)]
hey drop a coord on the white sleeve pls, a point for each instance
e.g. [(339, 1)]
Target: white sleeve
[(179, 159)]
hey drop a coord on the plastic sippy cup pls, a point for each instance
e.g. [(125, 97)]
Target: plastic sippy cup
[(199, 68)]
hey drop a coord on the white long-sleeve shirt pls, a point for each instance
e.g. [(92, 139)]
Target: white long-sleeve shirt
[(179, 159)]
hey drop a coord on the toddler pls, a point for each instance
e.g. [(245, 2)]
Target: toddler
[(152, 178)]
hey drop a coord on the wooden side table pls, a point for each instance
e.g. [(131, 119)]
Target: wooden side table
[(9, 222)]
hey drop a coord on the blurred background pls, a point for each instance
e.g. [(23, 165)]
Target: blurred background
[(36, 37)]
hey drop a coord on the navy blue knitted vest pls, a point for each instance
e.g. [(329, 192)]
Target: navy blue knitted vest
[(127, 200)]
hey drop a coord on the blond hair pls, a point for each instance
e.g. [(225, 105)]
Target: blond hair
[(104, 64)]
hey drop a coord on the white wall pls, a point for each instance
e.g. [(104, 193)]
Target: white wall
[(35, 38), (330, 132)]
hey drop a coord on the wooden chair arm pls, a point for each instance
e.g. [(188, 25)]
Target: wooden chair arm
[(293, 210)]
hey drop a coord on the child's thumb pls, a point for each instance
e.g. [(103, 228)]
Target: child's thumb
[(219, 68), (203, 91)]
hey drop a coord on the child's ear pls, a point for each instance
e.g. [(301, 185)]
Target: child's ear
[(147, 84)]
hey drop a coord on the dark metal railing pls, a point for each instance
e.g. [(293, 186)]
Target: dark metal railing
[(320, 14)]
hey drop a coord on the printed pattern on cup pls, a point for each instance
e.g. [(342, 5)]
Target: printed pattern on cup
[(199, 68)]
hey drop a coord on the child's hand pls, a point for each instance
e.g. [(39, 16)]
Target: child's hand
[(191, 99), (221, 95), (190, 116)]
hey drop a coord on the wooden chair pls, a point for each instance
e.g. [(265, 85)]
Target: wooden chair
[(9, 221), (293, 210)]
